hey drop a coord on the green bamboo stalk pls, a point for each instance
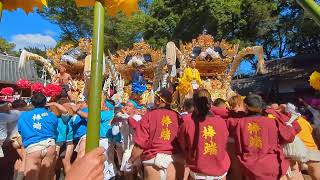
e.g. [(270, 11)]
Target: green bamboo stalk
[(1, 9), (93, 131), (312, 8)]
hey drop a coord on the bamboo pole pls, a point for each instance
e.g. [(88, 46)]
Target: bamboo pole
[(1, 6), (312, 8), (93, 131)]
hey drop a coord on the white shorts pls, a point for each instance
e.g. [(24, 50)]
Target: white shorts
[(79, 142), (39, 146), (162, 161), (314, 155), (110, 168), (206, 177)]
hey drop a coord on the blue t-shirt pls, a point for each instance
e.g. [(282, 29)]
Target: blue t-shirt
[(70, 128), (79, 125), (109, 105), (135, 104), (37, 125), (106, 117), (62, 128)]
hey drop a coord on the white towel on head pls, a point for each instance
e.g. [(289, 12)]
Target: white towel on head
[(123, 115)]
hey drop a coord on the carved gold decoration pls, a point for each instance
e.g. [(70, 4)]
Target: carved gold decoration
[(85, 45), (74, 69), (77, 89), (216, 69), (255, 50), (139, 49)]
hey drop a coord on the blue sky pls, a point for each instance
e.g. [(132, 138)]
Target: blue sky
[(28, 30)]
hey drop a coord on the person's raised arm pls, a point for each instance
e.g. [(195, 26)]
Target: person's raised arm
[(59, 106), (313, 111), (83, 114), (76, 109), (303, 102), (286, 132)]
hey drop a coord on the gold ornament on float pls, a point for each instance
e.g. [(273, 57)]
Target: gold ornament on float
[(139, 51), (217, 62)]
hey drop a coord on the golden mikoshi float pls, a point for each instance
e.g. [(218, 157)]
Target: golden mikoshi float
[(75, 59), (141, 56), (217, 62)]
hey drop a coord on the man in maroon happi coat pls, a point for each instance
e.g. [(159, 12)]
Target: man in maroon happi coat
[(258, 141), (155, 139)]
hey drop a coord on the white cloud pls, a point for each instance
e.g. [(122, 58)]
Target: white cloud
[(33, 40)]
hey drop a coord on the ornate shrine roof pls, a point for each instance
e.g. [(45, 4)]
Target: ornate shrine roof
[(291, 68)]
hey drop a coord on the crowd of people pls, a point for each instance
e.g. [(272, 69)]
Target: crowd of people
[(242, 138)]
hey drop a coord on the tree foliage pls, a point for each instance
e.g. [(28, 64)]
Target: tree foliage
[(7, 47), (230, 19), (77, 23), (280, 26), (293, 32)]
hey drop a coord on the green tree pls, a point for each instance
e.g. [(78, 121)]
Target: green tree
[(184, 20), (7, 47), (76, 23), (306, 37), (292, 33), (37, 50), (281, 27)]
